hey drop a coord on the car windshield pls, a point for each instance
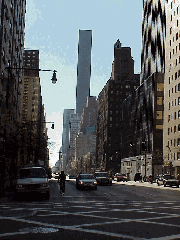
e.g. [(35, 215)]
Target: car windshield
[(167, 177), (88, 176), (101, 174), (32, 173)]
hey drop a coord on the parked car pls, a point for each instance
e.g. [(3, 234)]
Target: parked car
[(32, 180), (72, 176), (86, 181), (162, 178), (171, 181), (120, 177), (138, 177), (56, 175), (103, 178)]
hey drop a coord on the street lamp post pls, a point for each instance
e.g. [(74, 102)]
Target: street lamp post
[(144, 148), (53, 79)]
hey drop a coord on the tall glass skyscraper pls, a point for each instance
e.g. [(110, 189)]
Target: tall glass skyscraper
[(153, 38), (83, 69)]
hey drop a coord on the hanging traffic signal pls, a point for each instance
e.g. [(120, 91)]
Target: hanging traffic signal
[(52, 126)]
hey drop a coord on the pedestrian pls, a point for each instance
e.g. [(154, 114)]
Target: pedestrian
[(61, 181)]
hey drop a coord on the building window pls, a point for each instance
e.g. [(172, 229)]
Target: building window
[(169, 118), (170, 30), (179, 128), (168, 131), (178, 143), (177, 36), (178, 100), (176, 89), (174, 142), (175, 116), (179, 114), (158, 114), (170, 55), (176, 73), (174, 129), (169, 80), (159, 100), (160, 87), (179, 87)]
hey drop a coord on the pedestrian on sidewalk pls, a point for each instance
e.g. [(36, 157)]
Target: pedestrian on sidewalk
[(61, 181)]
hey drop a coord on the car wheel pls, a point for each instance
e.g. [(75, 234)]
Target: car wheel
[(178, 186), (164, 184)]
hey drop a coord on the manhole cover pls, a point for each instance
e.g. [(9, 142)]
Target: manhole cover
[(39, 230)]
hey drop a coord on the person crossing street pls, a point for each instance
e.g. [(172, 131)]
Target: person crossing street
[(61, 181)]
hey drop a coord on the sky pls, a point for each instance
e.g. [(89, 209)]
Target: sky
[(52, 27)]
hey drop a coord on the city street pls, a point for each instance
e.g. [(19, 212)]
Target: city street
[(121, 211)]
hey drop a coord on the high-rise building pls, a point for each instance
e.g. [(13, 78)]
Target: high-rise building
[(85, 144), (31, 108), (12, 24), (67, 115), (171, 136), (83, 69), (153, 38), (122, 83)]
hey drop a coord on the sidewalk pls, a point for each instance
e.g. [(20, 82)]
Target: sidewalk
[(146, 184)]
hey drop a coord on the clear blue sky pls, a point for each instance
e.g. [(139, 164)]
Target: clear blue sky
[(52, 27)]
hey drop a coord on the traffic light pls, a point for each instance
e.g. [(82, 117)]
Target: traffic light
[(52, 126)]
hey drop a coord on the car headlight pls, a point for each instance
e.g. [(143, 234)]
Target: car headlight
[(80, 182), (45, 185), (19, 186), (95, 182)]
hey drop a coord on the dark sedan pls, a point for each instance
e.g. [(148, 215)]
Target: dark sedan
[(103, 178), (120, 177), (86, 181)]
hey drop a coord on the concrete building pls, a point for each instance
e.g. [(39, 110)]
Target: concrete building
[(32, 111), (83, 69), (67, 115), (142, 122), (122, 83), (85, 144), (171, 137), (12, 24), (153, 37)]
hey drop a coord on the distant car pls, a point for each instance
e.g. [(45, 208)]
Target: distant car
[(72, 176), (103, 178), (56, 175), (138, 177), (120, 177), (171, 181), (161, 178), (32, 180), (86, 181)]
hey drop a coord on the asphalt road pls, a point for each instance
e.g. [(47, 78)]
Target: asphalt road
[(120, 211)]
